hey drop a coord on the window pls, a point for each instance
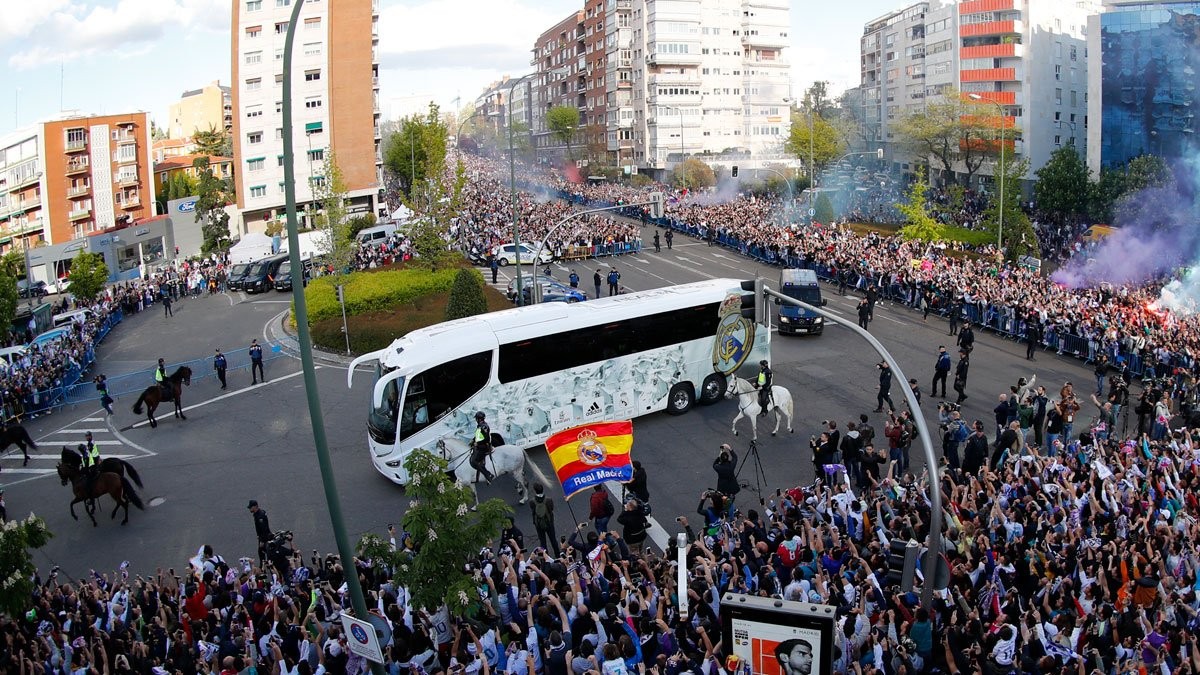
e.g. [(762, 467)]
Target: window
[(254, 84), (278, 107), (312, 49), (76, 136), (1058, 96), (254, 111), (254, 137), (279, 160), (312, 102), (253, 5), (282, 3), (1057, 140), (255, 164), (258, 191), (316, 155), (441, 389), (253, 31), (278, 57), (281, 28), (313, 128), (312, 75), (550, 353), (253, 58), (312, 23)]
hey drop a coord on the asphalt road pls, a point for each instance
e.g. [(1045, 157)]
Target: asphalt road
[(256, 442)]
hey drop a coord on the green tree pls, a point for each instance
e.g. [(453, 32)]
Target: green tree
[(213, 141), (466, 295), (692, 173), (9, 297), (17, 539), (823, 210), (446, 534), (1062, 186), (827, 142), (919, 224), (417, 150), (88, 275), (955, 133), (212, 196), (816, 98), (430, 227), (332, 220), (361, 222), (1104, 193), (563, 122), (12, 263), (1018, 237)]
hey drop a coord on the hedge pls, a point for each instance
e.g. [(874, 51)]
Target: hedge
[(375, 291)]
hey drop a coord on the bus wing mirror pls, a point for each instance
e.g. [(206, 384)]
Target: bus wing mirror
[(778, 301), (371, 356)]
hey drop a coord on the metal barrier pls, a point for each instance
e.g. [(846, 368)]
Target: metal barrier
[(998, 319), (43, 401)]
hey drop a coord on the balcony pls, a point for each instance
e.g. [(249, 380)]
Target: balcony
[(993, 51), (663, 79), (1001, 97), (126, 137), (79, 214), (25, 182), (980, 6), (125, 180), (26, 205), (79, 191), (765, 40), (78, 166), (23, 226), (127, 159), (76, 146), (624, 4), (990, 75), (673, 59), (131, 201), (987, 28)]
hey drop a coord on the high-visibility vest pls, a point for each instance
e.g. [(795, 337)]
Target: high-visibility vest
[(158, 375), (762, 379), (91, 456), (479, 435)]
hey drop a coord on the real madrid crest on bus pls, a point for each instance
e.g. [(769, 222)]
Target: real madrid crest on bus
[(735, 337)]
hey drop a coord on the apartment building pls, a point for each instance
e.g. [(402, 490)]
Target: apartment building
[(1028, 57), (560, 59), (706, 76), (592, 115), (210, 107), (66, 178), (335, 103), (1142, 77)]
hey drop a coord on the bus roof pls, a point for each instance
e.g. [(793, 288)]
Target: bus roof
[(452, 339)]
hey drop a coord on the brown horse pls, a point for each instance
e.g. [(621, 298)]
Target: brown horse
[(107, 465), (15, 433), (120, 489), (154, 395)]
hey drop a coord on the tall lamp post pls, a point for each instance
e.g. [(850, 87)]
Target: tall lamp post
[(458, 134), (332, 500), (1000, 113), (682, 151), (512, 187)]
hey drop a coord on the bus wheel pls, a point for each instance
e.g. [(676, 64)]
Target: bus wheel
[(713, 389), (680, 399)]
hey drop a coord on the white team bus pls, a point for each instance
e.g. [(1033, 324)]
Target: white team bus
[(540, 369)]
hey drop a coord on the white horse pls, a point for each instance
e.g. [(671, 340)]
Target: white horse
[(504, 459), (747, 396)]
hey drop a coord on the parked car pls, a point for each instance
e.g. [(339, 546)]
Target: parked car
[(283, 278), (553, 291), (507, 255), (237, 275), (261, 277), (28, 289)]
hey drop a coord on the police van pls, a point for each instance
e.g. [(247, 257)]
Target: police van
[(801, 285)]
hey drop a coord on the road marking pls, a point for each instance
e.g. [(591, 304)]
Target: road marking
[(55, 457), (126, 441), (33, 472), (74, 431), (76, 440), (686, 259), (720, 255), (271, 302), (253, 387), (91, 419), (642, 261)]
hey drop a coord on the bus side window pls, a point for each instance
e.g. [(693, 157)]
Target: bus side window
[(443, 388)]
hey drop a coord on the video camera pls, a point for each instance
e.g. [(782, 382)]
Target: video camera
[(949, 407)]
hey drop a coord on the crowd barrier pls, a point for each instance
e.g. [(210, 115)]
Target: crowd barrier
[(136, 382), (998, 319), (43, 401)]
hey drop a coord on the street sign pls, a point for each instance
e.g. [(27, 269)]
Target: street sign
[(361, 638)]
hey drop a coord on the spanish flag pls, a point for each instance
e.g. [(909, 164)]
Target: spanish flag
[(592, 454)]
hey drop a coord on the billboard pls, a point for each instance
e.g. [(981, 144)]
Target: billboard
[(778, 637)]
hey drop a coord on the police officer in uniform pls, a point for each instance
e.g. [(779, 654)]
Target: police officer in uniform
[(481, 446), (262, 530), (160, 376), (763, 385), (91, 461)]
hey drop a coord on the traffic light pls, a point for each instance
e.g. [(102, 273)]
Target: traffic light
[(733, 171), (657, 205), (902, 563), (754, 306)]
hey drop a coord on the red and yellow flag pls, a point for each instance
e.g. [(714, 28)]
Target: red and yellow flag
[(588, 455)]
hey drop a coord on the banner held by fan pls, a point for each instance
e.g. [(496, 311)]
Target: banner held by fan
[(591, 454)]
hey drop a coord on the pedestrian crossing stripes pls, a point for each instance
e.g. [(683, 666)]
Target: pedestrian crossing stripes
[(14, 468)]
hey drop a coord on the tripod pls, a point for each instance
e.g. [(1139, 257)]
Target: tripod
[(760, 476)]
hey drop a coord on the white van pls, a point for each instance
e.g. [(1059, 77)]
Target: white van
[(377, 235), (76, 316), (10, 354)]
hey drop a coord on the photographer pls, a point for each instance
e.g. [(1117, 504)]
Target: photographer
[(823, 451), (280, 552), (725, 465)]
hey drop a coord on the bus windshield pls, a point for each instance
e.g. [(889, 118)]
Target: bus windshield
[(809, 294), (381, 422)]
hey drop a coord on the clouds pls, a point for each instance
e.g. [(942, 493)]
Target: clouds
[(50, 31)]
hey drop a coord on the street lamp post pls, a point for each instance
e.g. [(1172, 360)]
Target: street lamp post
[(458, 134), (930, 565), (1000, 224), (786, 181), (332, 500), (512, 188)]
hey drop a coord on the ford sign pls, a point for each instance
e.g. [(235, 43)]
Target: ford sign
[(188, 206)]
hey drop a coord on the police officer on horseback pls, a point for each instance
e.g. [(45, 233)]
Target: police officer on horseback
[(160, 376), (763, 385), (481, 446), (90, 455)]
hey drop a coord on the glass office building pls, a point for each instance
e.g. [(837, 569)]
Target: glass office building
[(1151, 66)]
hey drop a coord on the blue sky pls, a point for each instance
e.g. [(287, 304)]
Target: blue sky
[(107, 56)]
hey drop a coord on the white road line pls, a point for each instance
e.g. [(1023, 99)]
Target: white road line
[(642, 261), (720, 255), (126, 441), (75, 431), (222, 397), (55, 457), (32, 472), (271, 302), (686, 259), (91, 419), (77, 440)]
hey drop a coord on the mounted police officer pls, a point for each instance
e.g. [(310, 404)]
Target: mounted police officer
[(90, 454), (481, 446), (763, 385), (160, 376)]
